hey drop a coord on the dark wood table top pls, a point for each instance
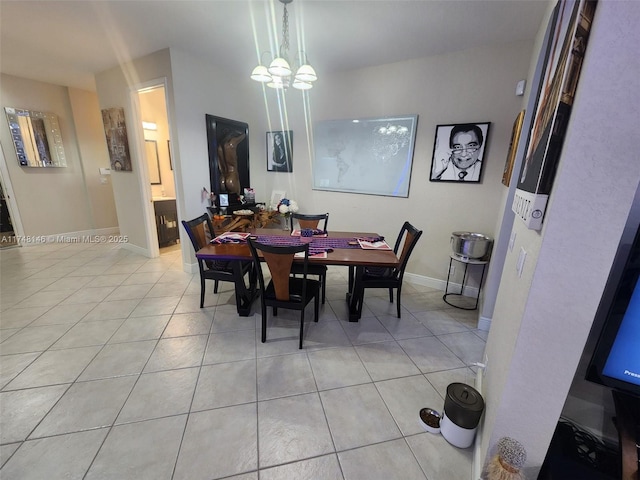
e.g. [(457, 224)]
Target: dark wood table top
[(339, 256)]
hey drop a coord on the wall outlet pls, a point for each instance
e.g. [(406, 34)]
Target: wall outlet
[(486, 364), (521, 258), (512, 241)]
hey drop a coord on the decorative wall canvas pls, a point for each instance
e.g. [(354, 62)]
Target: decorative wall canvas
[(568, 34), (370, 156), (280, 151), (513, 147), (228, 144), (115, 131), (458, 152)]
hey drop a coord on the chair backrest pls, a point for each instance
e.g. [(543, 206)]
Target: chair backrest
[(310, 221), (279, 260), (200, 231), (411, 236)]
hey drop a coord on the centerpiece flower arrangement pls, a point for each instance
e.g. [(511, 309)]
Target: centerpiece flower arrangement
[(285, 208)]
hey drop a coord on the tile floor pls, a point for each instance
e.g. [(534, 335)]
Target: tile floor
[(109, 369)]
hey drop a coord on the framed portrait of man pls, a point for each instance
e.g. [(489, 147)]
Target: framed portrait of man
[(458, 152), (279, 151)]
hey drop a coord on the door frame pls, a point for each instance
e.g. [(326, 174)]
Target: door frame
[(139, 145), (14, 213)]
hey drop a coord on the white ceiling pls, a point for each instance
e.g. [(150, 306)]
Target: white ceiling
[(67, 42)]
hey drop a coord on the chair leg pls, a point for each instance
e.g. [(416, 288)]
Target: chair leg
[(398, 298), (275, 311), (201, 291), (324, 287), (301, 327), (215, 287), (391, 295), (316, 305), (264, 323)]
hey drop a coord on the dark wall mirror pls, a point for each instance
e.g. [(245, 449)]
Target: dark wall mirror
[(36, 138), (228, 142)]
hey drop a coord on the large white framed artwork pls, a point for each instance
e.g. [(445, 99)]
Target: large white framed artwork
[(367, 155)]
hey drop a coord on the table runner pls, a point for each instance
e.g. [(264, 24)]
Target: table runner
[(317, 245)]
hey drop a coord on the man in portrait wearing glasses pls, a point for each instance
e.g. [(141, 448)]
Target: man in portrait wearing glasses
[(463, 164)]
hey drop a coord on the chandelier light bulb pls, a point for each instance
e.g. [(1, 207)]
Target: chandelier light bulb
[(306, 73), (280, 67), (300, 85), (260, 74)]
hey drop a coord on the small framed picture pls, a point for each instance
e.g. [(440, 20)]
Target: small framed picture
[(280, 151), (458, 152), (276, 196)]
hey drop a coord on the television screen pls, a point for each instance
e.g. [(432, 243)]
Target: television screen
[(616, 358)]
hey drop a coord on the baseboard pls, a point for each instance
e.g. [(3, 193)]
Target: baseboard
[(439, 284), (190, 267), (484, 323), (136, 249)]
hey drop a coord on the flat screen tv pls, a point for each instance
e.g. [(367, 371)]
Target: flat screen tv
[(615, 362)]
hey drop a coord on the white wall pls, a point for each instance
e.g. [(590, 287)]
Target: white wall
[(541, 321), (475, 85), (60, 200)]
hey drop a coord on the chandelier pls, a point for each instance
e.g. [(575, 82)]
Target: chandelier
[(278, 75)]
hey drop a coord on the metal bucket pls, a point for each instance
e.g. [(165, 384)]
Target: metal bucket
[(471, 245)]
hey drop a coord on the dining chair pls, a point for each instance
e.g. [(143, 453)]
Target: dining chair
[(284, 290), (377, 277), (312, 221), (200, 231)]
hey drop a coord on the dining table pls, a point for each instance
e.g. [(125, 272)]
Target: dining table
[(330, 248)]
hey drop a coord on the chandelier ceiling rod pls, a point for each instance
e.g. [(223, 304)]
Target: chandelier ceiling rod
[(278, 75)]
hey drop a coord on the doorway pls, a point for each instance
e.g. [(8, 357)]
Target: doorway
[(161, 179), (8, 236)]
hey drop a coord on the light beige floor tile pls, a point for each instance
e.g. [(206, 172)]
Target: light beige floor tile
[(21, 317), (85, 334), (228, 435), (225, 384), (466, 345), (119, 359), (155, 306), (22, 410), (292, 428), (337, 367), (320, 468), (110, 310), (63, 456), (386, 360), (33, 339), (141, 328), (230, 347), (366, 330), (54, 367), (144, 450), (438, 458), (179, 352), (64, 314), (12, 365), (86, 405), (184, 324), (405, 397), (405, 327), (383, 461), (430, 354), (284, 375), (357, 416), (160, 394)]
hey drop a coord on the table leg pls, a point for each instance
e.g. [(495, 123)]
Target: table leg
[(355, 297), (244, 296)]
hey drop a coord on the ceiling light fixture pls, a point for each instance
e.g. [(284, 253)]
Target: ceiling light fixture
[(278, 75)]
